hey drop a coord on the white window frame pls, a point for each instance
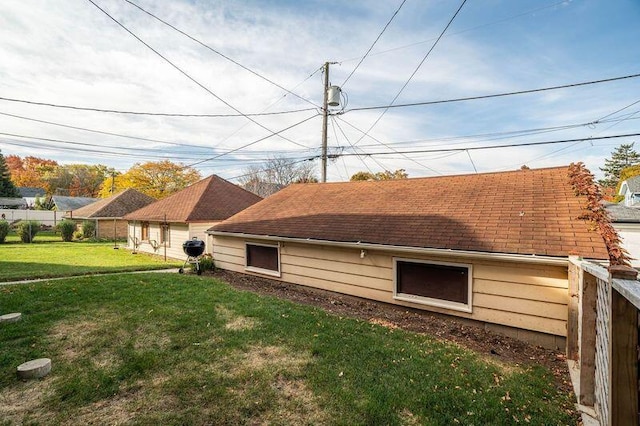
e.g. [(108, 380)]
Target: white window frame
[(263, 271), (439, 303)]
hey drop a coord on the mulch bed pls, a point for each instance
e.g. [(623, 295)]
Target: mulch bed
[(476, 338)]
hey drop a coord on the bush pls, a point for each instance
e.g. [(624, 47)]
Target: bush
[(4, 230), (66, 229), (206, 263), (88, 229), (27, 230), (77, 235)]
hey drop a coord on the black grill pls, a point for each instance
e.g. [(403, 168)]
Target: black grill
[(193, 248)]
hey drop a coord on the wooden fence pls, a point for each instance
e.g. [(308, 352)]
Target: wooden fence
[(602, 341)]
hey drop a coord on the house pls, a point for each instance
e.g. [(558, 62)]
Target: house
[(165, 225), (107, 213), (30, 194), (626, 221), (492, 248), (630, 189), (66, 205), (12, 203)]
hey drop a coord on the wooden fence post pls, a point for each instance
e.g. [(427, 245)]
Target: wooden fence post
[(588, 340), (624, 355)]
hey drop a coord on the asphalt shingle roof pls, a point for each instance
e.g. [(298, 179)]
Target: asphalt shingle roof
[(210, 199), (622, 214), (634, 184), (115, 206), (65, 204), (518, 212)]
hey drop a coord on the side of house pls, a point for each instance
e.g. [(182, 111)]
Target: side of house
[(501, 261)]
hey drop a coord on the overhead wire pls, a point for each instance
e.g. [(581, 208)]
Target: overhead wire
[(373, 44), (189, 76), (206, 46), (415, 71), (496, 95), (157, 114)]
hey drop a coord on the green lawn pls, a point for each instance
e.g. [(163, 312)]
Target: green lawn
[(46, 258), (166, 349)]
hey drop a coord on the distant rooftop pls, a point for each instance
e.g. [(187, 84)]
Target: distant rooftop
[(622, 214), (64, 204), (30, 192)]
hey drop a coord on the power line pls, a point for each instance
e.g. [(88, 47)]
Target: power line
[(221, 54), (254, 142), (160, 114), (374, 42), (497, 95), (461, 31), (477, 148), (187, 75), (415, 71)]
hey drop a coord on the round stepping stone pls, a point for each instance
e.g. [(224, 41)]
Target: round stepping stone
[(34, 369), (14, 317)]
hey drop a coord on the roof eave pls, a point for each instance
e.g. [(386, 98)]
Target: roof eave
[(528, 258)]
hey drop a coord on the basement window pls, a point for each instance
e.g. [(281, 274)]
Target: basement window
[(440, 284), (263, 258)]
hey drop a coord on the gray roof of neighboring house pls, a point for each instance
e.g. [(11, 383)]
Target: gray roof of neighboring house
[(64, 204), (12, 202), (622, 214), (115, 206), (29, 192), (634, 184)]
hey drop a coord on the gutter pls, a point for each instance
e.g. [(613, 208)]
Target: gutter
[(467, 254)]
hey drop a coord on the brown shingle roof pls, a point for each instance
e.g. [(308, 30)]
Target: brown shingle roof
[(521, 212), (115, 206), (210, 199)]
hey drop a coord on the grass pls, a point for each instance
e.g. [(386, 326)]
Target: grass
[(47, 257), (181, 349)]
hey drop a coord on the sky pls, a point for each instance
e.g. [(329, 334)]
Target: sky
[(257, 72)]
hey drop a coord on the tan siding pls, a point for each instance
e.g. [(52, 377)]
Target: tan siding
[(200, 230), (527, 296)]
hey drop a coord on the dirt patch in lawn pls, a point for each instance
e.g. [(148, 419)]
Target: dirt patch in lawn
[(494, 347)]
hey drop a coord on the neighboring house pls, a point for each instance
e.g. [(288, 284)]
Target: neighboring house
[(488, 247), (107, 213), (626, 220), (66, 205), (630, 189), (165, 225), (12, 203), (30, 194)]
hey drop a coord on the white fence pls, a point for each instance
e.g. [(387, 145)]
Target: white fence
[(45, 217)]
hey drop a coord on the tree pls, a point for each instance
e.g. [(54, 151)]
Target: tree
[(76, 180), (386, 175), (7, 188), (622, 157), (275, 174), (157, 179), (30, 170)]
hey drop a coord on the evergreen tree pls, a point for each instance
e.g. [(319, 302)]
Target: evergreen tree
[(622, 157), (7, 188)]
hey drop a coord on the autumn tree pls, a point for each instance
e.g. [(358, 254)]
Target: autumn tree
[(7, 188), (275, 174), (76, 180), (29, 171), (386, 175), (622, 157), (157, 179)]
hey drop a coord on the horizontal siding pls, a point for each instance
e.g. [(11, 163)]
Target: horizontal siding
[(199, 230), (526, 296)]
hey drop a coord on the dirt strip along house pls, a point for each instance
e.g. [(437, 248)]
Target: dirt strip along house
[(108, 213), (488, 247), (166, 224)]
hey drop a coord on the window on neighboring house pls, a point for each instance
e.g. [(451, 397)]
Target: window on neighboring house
[(144, 231), (446, 285), (164, 233), (263, 258)]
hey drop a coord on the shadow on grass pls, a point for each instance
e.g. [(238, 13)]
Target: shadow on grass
[(24, 271)]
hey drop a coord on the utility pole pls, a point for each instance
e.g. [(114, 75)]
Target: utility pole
[(325, 114)]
